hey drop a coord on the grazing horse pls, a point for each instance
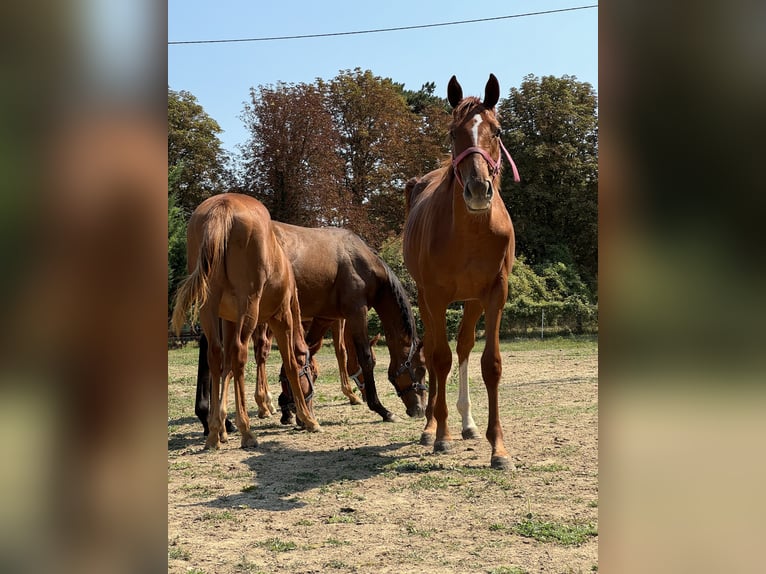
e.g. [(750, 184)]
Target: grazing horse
[(339, 277), (239, 273), (459, 246)]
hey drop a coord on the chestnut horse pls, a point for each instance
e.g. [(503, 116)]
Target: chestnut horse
[(339, 277), (239, 273), (459, 246)]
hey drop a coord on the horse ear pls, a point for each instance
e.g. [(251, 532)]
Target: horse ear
[(454, 92), (491, 92)]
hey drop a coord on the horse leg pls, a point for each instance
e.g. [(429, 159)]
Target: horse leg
[(215, 361), (283, 329), (229, 350), (428, 435), (341, 354), (492, 370), (358, 327), (442, 363), (261, 349), (202, 400), (465, 340), (238, 357)]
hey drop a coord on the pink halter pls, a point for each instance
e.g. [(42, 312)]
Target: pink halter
[(495, 166)]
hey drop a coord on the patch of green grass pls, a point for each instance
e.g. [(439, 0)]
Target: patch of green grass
[(553, 467), (340, 519), (222, 516), (199, 491), (195, 571), (336, 542), (503, 480), (435, 482), (277, 545), (507, 570), (177, 553), (246, 565), (564, 534), (413, 530), (304, 522), (593, 504), (249, 488), (495, 527)]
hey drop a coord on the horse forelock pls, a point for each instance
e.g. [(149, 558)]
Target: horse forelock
[(465, 106)]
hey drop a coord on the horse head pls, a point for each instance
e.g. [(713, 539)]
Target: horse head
[(409, 379), (475, 134)]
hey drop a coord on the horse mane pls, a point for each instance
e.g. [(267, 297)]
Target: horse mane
[(402, 301)]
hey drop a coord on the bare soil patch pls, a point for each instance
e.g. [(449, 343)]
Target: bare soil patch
[(364, 496)]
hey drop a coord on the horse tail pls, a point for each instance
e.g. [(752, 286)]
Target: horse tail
[(408, 187), (194, 291)]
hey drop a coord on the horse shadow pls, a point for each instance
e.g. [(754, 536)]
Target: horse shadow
[(282, 474)]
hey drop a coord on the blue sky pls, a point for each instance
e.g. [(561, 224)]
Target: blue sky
[(221, 75)]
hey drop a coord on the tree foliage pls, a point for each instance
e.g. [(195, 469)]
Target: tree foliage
[(176, 239), (290, 160), (375, 127), (338, 152), (194, 150), (550, 125)]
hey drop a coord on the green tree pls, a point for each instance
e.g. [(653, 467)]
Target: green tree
[(195, 150), (176, 239), (550, 126)]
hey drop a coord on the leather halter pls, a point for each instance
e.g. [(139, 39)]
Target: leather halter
[(494, 165), (407, 366)]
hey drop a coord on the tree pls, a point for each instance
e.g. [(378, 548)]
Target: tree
[(376, 128), (194, 150), (430, 144), (176, 239), (290, 161), (550, 126)]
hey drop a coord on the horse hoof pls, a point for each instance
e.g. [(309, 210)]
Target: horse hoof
[(502, 463), (354, 401), (212, 445), (248, 441), (286, 419), (471, 433), (390, 418), (313, 427), (441, 446), (230, 426), (224, 437), (264, 414), (427, 438)]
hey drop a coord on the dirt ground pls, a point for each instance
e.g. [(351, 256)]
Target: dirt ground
[(364, 496)]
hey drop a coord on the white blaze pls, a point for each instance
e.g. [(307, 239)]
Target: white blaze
[(475, 129)]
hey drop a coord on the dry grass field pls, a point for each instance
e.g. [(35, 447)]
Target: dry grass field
[(364, 496)]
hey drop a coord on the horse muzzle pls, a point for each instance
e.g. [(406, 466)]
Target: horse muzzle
[(477, 195), (416, 412)]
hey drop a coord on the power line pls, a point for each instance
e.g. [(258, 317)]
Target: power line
[(269, 39)]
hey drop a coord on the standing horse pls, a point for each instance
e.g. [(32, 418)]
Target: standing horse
[(239, 273), (459, 246), (339, 277)]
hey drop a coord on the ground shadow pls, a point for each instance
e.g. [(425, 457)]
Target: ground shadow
[(281, 473)]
